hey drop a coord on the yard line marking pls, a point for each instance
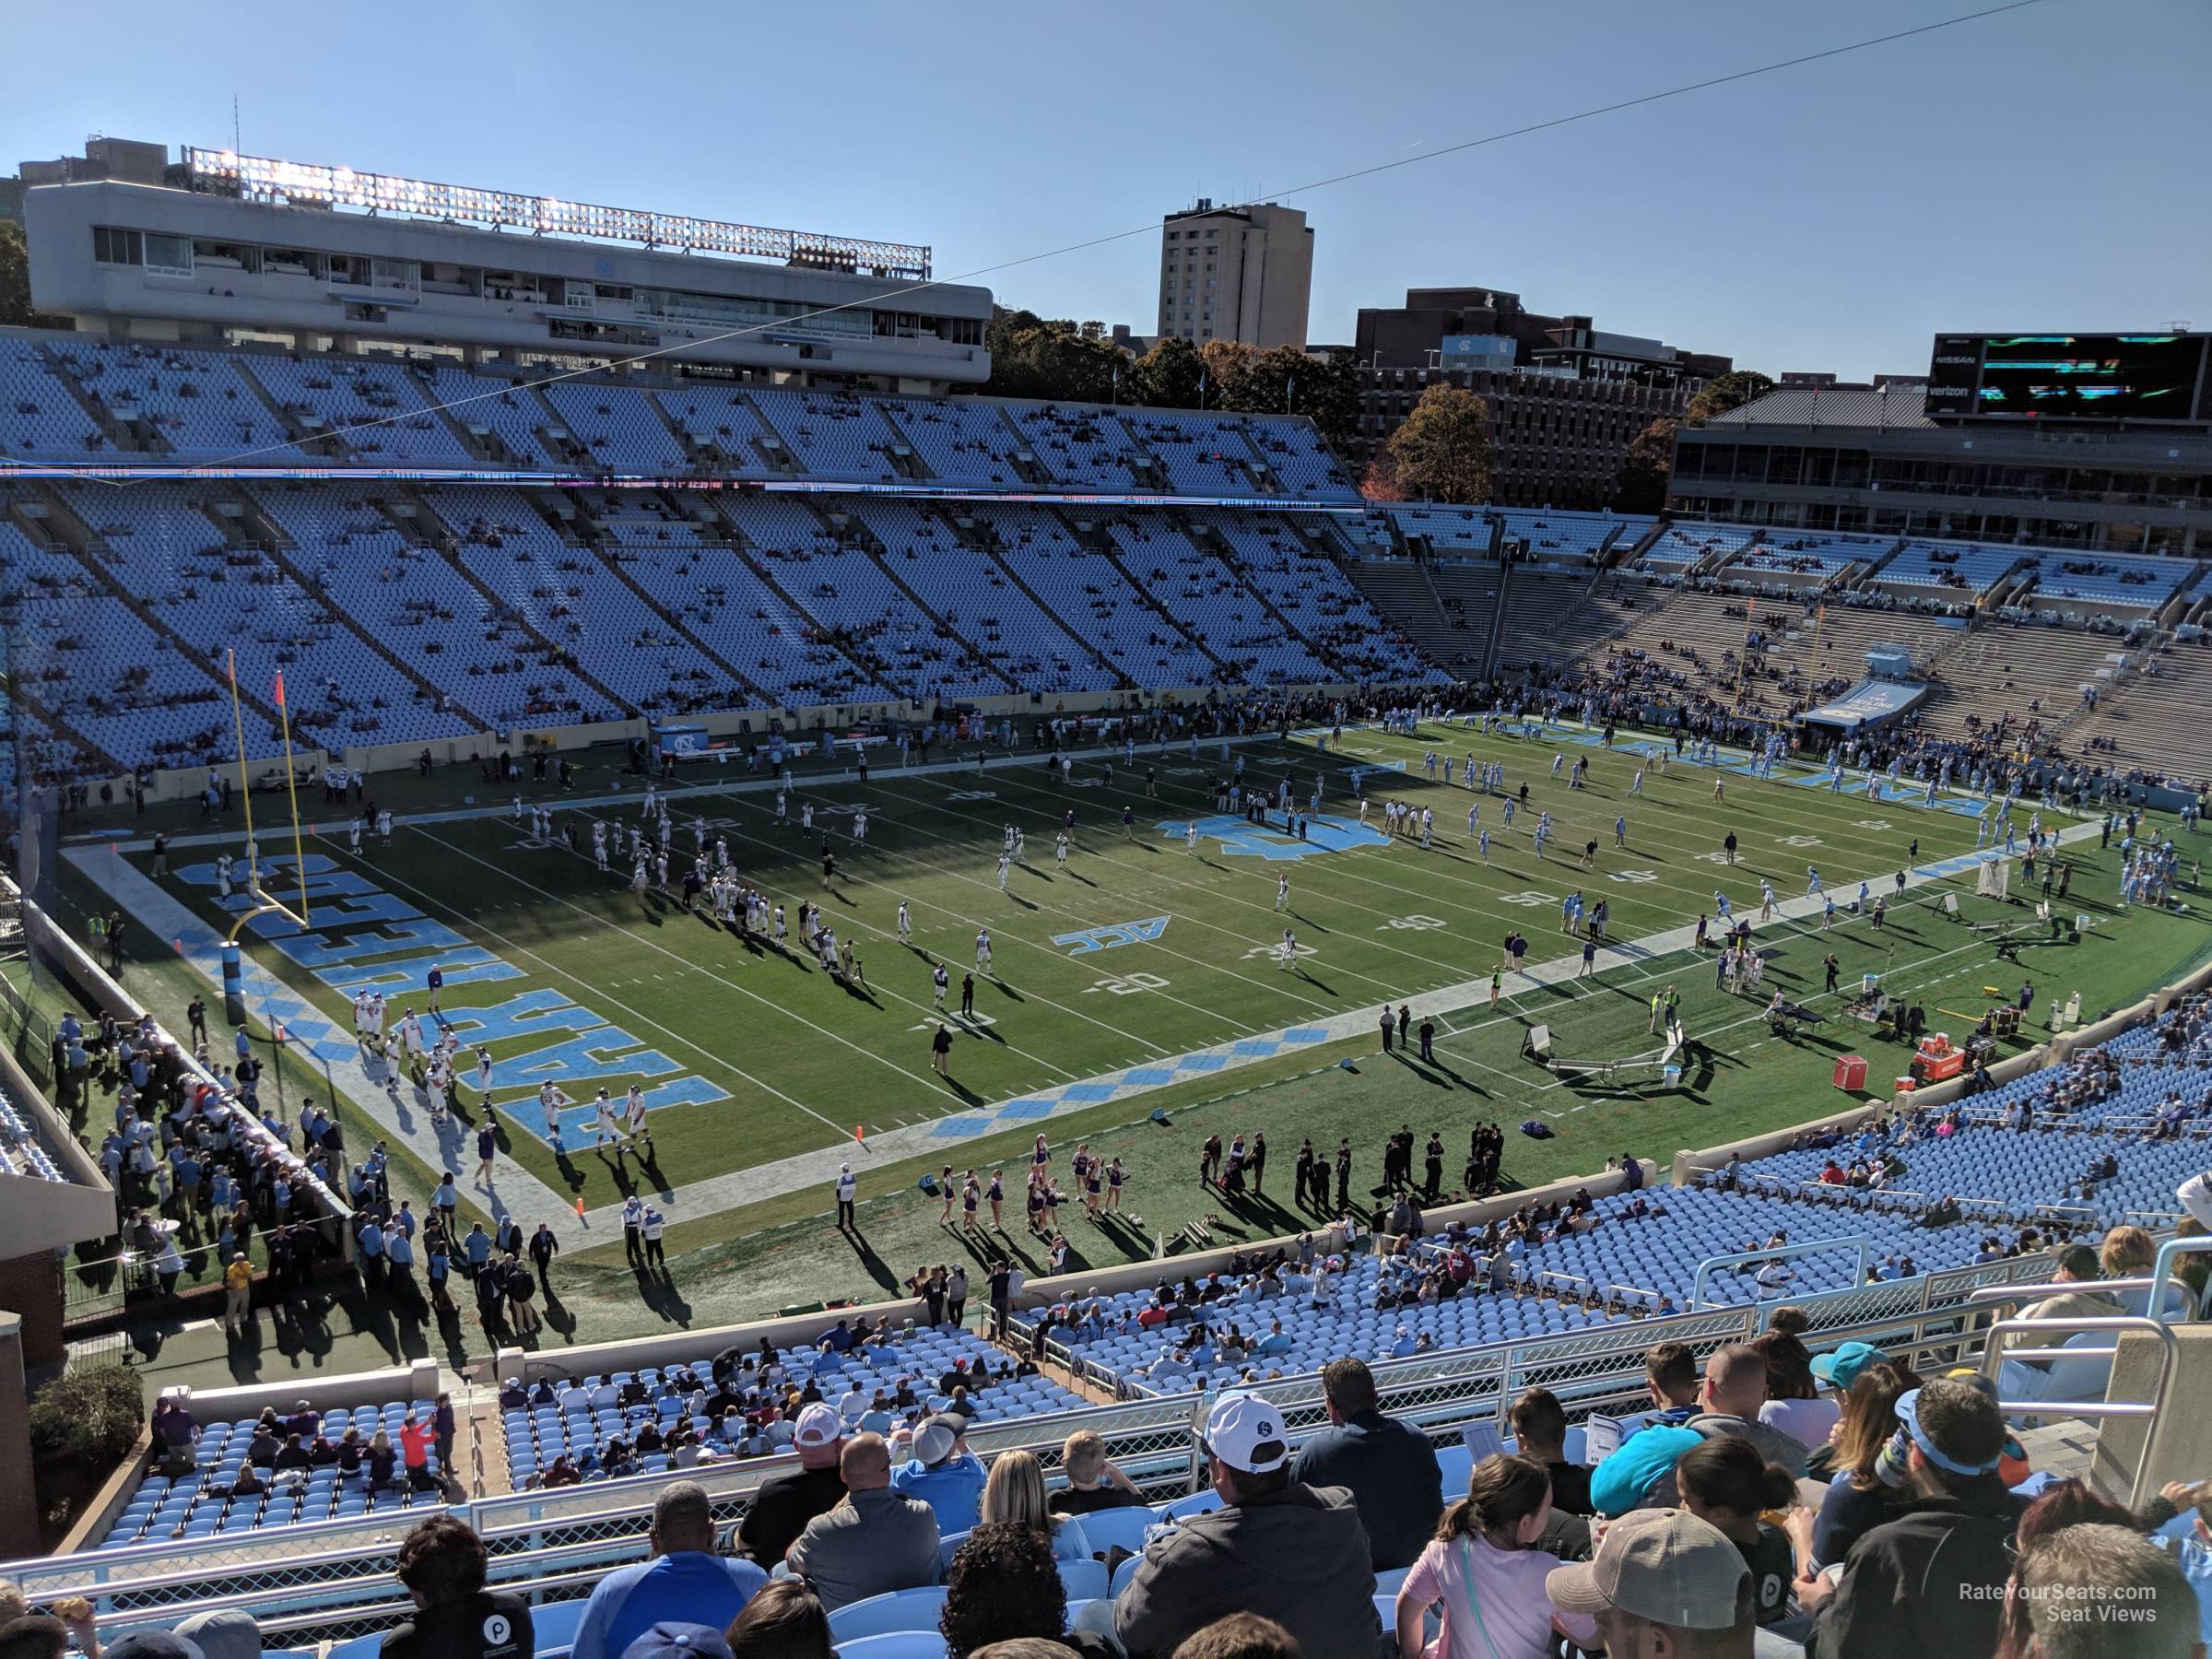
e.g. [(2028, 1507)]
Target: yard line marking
[(878, 931), (926, 1008), (926, 1078)]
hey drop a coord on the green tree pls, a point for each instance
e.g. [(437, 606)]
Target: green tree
[(15, 283), (1166, 377), (1031, 357), (1285, 381), (1442, 452), (1731, 390), (1640, 485)]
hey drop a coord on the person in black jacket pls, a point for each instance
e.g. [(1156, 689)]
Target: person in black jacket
[(1279, 1548), (1391, 1469), (1931, 1579)]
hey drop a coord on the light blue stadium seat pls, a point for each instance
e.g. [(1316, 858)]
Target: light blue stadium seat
[(1125, 1527), (891, 1644), (1196, 1503), (1084, 1581), (1123, 1573), (556, 1624), (900, 1610)]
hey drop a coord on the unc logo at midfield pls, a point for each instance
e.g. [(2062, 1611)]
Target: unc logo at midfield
[(1240, 837)]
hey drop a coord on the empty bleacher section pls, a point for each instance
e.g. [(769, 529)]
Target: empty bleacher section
[(1212, 603), (1568, 537), (401, 591), (595, 1421), (2027, 681), (1952, 575), (1683, 546), (174, 401), (1444, 610), (293, 1487), (38, 415), (1448, 530), (2079, 584), (2153, 726), (162, 547), (1800, 561), (1306, 587), (377, 410)]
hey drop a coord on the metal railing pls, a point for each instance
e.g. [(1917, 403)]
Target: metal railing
[(334, 1577), (1859, 1243), (1993, 1354)]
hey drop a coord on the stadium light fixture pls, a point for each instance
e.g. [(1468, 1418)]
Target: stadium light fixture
[(301, 183)]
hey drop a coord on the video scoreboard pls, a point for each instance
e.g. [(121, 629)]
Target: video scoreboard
[(2070, 377)]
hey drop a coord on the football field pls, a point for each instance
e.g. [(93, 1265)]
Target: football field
[(1145, 959)]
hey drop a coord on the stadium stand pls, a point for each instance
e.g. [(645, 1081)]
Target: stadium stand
[(1957, 570), (168, 554), (378, 408), (1448, 530), (194, 405), (2105, 581), (1568, 537), (577, 1417), (833, 435), (1681, 546), (38, 415), (1808, 560), (215, 1498), (1213, 605), (503, 420)]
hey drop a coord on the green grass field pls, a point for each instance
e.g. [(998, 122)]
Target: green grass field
[(799, 1060)]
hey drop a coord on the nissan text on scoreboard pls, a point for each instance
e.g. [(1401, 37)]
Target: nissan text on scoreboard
[(2140, 377)]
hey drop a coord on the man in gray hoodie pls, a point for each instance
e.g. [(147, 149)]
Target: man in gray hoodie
[(1728, 1402), (1293, 1553)]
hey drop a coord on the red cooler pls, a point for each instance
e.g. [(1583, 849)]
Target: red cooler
[(1850, 1072)]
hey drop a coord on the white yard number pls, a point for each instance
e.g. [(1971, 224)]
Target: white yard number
[(1798, 840), (1633, 875), (1264, 952), (1128, 984), (1530, 899), (1413, 924), (1719, 858)]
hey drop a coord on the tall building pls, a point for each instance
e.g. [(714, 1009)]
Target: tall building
[(2069, 441), (1566, 398), (1244, 274)]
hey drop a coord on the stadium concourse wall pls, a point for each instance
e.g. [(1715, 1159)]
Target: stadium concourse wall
[(683, 1348), (182, 784)]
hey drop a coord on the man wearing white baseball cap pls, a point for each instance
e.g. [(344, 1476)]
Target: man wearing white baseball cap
[(1663, 1584), (1293, 1553), (781, 1508)]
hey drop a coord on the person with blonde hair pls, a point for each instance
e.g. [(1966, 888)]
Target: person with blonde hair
[(1094, 1482), (1014, 1494)]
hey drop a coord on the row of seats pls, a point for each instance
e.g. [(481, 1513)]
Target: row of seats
[(200, 1505), (61, 397)]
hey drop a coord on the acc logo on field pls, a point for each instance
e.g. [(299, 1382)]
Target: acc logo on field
[(1240, 837), (1112, 935), (974, 795)]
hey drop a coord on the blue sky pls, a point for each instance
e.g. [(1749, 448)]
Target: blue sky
[(2039, 170)]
